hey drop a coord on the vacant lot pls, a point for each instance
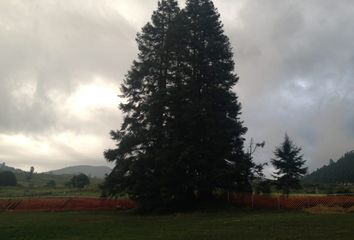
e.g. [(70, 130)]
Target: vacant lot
[(229, 224)]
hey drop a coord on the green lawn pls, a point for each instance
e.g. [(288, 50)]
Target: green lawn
[(231, 224)]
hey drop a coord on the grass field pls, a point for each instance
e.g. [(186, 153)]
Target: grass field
[(91, 190), (227, 224)]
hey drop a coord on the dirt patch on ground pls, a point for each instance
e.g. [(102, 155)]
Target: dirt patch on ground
[(351, 209), (322, 209)]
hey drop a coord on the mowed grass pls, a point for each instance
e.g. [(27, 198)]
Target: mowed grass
[(225, 224)]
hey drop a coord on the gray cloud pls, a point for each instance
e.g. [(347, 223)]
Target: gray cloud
[(55, 46), (295, 63), (52, 48), (294, 59)]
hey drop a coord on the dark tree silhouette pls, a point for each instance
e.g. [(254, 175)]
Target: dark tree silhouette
[(208, 130), (7, 178), (30, 174), (289, 165), (142, 139), (182, 136), (79, 181)]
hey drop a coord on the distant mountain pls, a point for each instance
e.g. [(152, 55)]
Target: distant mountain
[(93, 171), (341, 171)]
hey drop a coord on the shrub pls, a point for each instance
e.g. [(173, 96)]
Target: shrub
[(51, 184), (78, 181), (7, 178)]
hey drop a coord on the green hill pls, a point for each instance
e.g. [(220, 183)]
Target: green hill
[(341, 171)]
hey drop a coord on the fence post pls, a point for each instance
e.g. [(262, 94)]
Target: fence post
[(252, 201), (278, 198)]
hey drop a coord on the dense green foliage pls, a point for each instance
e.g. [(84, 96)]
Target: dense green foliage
[(181, 137), (230, 224), (7, 178), (289, 165), (341, 171)]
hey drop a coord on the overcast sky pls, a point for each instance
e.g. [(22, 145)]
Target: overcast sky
[(62, 63)]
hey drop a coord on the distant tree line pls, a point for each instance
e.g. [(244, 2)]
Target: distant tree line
[(341, 171)]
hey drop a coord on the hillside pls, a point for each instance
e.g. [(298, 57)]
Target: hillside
[(92, 171), (60, 176), (341, 171), (3, 167), (38, 179)]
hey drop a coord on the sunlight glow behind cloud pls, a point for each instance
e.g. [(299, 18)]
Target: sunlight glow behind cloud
[(93, 96)]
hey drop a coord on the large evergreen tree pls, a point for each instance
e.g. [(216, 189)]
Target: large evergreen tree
[(141, 139), (182, 136), (289, 165), (210, 131)]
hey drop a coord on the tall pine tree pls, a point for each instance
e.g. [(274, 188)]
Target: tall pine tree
[(182, 136), (289, 165), (212, 133), (141, 138)]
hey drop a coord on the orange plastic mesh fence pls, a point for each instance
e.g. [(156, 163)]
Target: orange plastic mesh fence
[(290, 202), (239, 199)]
